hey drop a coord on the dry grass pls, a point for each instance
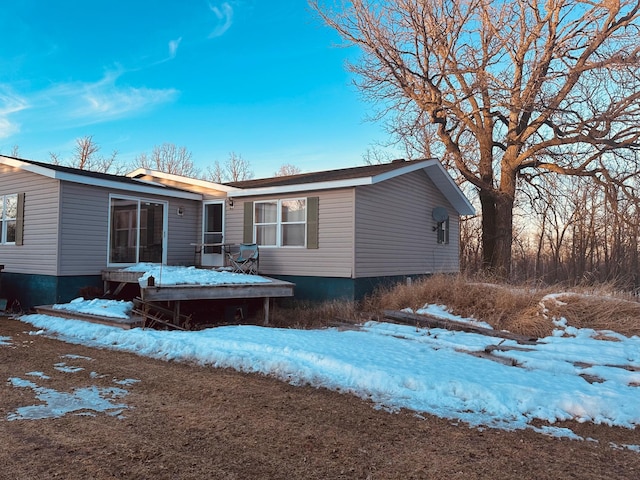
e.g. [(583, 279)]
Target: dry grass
[(315, 315), (598, 310), (518, 309), (502, 306)]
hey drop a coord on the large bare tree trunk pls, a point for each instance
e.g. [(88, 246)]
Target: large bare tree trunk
[(497, 232)]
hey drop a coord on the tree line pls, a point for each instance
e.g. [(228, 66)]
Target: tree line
[(167, 157), (574, 231)]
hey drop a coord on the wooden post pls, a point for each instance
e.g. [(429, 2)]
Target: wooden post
[(176, 312), (266, 311)]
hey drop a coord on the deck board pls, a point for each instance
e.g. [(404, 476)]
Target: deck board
[(127, 323)]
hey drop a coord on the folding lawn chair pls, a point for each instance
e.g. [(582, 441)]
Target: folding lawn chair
[(246, 261)]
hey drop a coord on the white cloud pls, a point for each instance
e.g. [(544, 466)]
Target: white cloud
[(224, 16), (10, 103), (173, 47), (102, 100)]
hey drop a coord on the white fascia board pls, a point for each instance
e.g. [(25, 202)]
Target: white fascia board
[(445, 183), (141, 188), (179, 178), (404, 170), (302, 187), (99, 182), (351, 182), (29, 167)]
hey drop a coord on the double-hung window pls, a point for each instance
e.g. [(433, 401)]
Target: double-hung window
[(8, 218), (281, 223)]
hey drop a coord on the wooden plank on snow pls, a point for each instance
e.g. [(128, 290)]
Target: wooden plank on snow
[(429, 321)]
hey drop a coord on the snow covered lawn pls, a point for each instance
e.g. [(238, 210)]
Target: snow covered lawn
[(572, 375)]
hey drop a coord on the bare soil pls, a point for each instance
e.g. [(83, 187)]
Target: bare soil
[(191, 422)]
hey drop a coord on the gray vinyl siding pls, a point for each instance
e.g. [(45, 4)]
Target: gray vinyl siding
[(84, 236), (334, 255), (183, 231), (394, 229), (38, 254), (85, 228)]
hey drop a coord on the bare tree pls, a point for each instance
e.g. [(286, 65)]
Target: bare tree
[(375, 156), (509, 90), (84, 153), (168, 158), (234, 169), (215, 173), (287, 169), (55, 158), (86, 157)]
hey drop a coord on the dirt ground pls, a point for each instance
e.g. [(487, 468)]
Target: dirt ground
[(185, 421)]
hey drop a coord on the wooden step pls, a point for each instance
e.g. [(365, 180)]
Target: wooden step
[(132, 322)]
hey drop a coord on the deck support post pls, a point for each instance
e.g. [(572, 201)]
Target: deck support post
[(176, 312), (266, 311)]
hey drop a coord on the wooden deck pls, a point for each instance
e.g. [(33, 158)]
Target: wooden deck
[(176, 293)]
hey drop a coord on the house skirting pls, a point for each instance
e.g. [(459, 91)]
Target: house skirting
[(317, 289), (32, 290)]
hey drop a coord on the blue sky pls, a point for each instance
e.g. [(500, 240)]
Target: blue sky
[(262, 79)]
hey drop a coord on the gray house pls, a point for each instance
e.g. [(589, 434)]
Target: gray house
[(335, 234)]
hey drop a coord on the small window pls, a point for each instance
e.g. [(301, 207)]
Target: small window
[(8, 217), (442, 229)]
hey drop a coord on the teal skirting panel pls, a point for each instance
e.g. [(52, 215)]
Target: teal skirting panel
[(330, 288), (33, 290)]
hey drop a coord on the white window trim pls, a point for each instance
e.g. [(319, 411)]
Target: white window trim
[(279, 223), (140, 200), (5, 220)]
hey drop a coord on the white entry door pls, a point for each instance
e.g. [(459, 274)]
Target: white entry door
[(212, 234)]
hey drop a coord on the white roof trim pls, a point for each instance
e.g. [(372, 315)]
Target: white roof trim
[(450, 189), (350, 182), (302, 187), (432, 167), (183, 179), (143, 187)]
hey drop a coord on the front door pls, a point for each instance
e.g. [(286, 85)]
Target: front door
[(212, 234)]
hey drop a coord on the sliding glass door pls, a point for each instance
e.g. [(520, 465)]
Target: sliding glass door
[(137, 230)]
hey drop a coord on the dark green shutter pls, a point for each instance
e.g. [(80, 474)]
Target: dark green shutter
[(247, 234), (446, 233), (20, 219), (312, 222)]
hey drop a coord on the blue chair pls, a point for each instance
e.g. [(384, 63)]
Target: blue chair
[(246, 260)]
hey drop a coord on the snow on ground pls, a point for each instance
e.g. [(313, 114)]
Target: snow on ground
[(440, 311), (395, 366), (573, 374)]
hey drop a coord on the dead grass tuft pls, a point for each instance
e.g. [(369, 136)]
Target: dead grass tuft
[(315, 315), (518, 309), (502, 306), (597, 310)]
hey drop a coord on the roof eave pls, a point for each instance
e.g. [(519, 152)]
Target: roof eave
[(179, 178), (449, 188), (302, 187), (97, 182)]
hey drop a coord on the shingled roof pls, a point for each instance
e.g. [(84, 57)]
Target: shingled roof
[(324, 176), (89, 177)]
